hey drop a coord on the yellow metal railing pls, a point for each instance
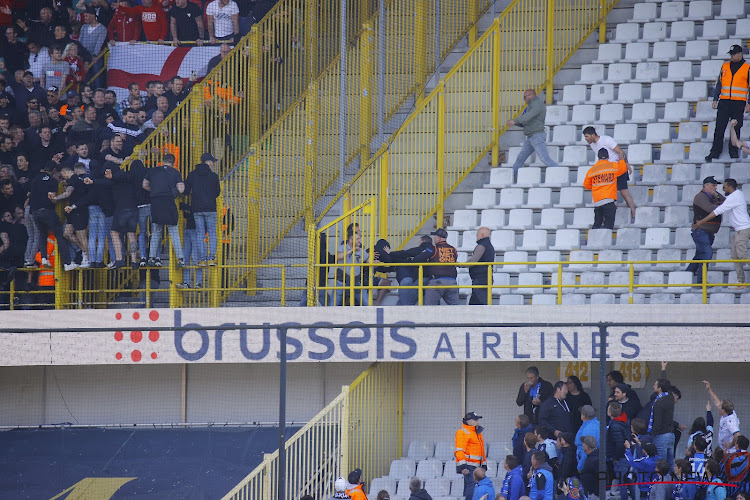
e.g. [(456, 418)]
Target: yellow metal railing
[(553, 281), (460, 122), (361, 428)]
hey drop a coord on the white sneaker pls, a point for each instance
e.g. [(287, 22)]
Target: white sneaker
[(45, 263), (84, 262), (71, 266)]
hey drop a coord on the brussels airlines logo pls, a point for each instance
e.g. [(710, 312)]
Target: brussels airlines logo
[(135, 339)]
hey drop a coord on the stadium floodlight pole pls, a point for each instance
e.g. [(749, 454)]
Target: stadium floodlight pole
[(602, 408), (342, 94), (282, 414), (381, 70)]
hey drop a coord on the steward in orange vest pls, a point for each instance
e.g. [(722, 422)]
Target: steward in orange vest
[(470, 452), (357, 491), (601, 179), (731, 100)]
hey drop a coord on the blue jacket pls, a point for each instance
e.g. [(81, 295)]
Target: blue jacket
[(644, 467), (542, 484), (513, 484), (589, 428), (484, 490)]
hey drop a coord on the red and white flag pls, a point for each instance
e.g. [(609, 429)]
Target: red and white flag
[(143, 62)]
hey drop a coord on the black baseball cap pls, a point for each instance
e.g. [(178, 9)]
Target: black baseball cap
[(440, 232), (355, 476), (208, 157), (735, 49), (710, 180), (71, 93), (472, 416), (602, 153)]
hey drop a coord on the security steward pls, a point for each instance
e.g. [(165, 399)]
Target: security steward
[(601, 179), (470, 452), (731, 99)]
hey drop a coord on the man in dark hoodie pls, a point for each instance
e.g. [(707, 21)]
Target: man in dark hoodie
[(566, 455), (205, 187), (125, 218), (143, 200), (409, 275), (417, 490), (523, 425), (617, 434), (590, 471), (483, 252)]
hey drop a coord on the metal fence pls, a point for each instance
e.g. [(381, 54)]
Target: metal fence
[(460, 122), (361, 428)]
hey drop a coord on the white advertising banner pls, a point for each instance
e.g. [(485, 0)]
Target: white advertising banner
[(343, 334)]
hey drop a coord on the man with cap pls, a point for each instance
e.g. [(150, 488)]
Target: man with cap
[(601, 179), (703, 204), (340, 486), (470, 451), (731, 100), (357, 486), (735, 206), (205, 187), (442, 275), (53, 97), (73, 100)]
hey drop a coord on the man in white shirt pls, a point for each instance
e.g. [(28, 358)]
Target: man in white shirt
[(735, 206), (597, 142), (38, 57), (729, 425), (223, 20)]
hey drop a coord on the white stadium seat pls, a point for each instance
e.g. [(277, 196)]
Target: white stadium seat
[(402, 468), (742, 28), (664, 51), (591, 73), (626, 133), (658, 133), (556, 115), (574, 94), (602, 298), (647, 216), (520, 218), (609, 53), (484, 198), (644, 12), (430, 468), (574, 299), (661, 92), (583, 218), (468, 243), (564, 135), (575, 155), (503, 240), (689, 132), (444, 451), (710, 70), (567, 239), (539, 197), (676, 112), (682, 30), (580, 256), (529, 176), (602, 93), (654, 31), (629, 93), (510, 198), (628, 237), (627, 32), (599, 238), (571, 196), (500, 178), (664, 196), (679, 71), (672, 11), (697, 50), (583, 114), (732, 9), (714, 29), (635, 52), (529, 283), (612, 259), (647, 72), (619, 73), (464, 219), (675, 216), (682, 173), (383, 483), (552, 218), (700, 10), (534, 240), (492, 218), (654, 174), (611, 113), (657, 237)]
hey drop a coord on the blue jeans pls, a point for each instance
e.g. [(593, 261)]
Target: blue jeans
[(32, 245), (97, 233), (703, 251), (144, 214), (408, 297), (174, 235), (205, 222), (621, 468), (108, 228), (358, 294), (535, 142), (665, 447), (190, 249)]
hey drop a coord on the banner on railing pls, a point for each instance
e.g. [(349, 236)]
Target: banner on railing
[(141, 63), (367, 334)]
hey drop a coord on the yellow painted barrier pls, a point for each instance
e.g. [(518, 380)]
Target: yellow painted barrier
[(361, 428)]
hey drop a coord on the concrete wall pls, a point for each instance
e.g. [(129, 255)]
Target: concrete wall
[(432, 396)]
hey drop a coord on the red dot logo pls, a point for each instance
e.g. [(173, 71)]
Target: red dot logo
[(137, 336)]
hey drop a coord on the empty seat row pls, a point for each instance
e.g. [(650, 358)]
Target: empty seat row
[(639, 112), (688, 173), (666, 51), (631, 93), (680, 31), (649, 72), (696, 10)]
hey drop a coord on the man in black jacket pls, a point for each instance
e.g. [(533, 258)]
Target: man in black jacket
[(661, 421), (205, 187), (554, 413), (125, 218), (483, 252), (409, 275), (617, 434), (566, 455), (165, 185), (590, 471), (417, 491), (532, 393), (442, 275)]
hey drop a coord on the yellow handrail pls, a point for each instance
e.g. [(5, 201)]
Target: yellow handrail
[(361, 427)]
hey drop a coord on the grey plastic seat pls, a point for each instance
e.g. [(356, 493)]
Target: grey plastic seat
[(647, 216), (520, 218), (591, 73), (650, 278), (464, 219), (484, 198), (689, 132), (700, 10), (509, 198), (643, 112), (664, 196), (543, 299), (714, 29), (403, 468), (583, 218), (514, 256), (654, 174), (664, 51), (546, 256), (611, 113), (529, 176), (657, 237), (672, 11), (682, 173), (682, 31), (552, 218), (529, 283), (680, 278), (438, 487), (574, 299), (493, 218), (635, 52), (599, 238), (420, 450), (609, 52), (644, 12), (575, 258), (629, 237), (567, 239), (503, 240), (676, 216), (539, 197), (500, 178), (662, 298), (556, 177), (556, 115), (640, 255), (602, 298), (534, 240), (602, 93), (610, 255)]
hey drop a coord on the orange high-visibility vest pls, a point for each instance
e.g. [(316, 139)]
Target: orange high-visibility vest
[(735, 86), (601, 179), (170, 148), (469, 447), (47, 274)]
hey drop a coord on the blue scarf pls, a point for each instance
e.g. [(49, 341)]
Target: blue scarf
[(651, 417), (535, 390), (505, 489)]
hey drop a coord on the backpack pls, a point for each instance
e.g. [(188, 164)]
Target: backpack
[(700, 493)]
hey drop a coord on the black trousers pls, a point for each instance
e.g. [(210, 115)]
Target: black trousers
[(604, 216), (478, 295), (727, 110), (47, 221)]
